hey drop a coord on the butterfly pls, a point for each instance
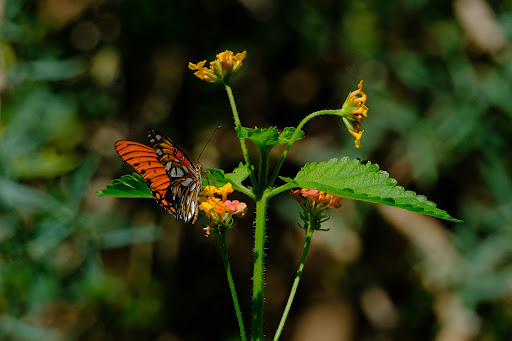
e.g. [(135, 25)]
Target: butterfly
[(173, 178)]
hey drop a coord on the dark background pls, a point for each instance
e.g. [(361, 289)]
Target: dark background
[(77, 75)]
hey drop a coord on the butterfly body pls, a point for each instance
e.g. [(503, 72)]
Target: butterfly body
[(173, 178)]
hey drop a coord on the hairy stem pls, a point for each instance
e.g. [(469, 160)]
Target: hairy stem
[(221, 236), (238, 125), (309, 234), (258, 275), (263, 169), (294, 138)]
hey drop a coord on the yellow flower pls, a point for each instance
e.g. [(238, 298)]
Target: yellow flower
[(357, 101), (225, 190), (358, 136), (221, 69), (219, 211), (208, 191)]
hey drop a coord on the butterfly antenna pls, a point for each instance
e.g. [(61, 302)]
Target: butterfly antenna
[(218, 127)]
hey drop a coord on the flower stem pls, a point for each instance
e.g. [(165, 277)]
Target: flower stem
[(257, 277), (309, 234), (238, 125), (294, 138), (221, 236)]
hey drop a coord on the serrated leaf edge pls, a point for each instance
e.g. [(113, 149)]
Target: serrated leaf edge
[(423, 205)]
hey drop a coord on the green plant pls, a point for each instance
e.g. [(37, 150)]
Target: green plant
[(322, 184)]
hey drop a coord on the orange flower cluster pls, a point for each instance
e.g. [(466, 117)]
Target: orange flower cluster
[(357, 99), (221, 69), (214, 204), (315, 205), (317, 198)]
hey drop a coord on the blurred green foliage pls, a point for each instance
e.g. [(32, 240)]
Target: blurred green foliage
[(75, 76)]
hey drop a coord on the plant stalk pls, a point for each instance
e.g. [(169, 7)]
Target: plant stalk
[(293, 291), (238, 124), (258, 271), (294, 138), (263, 169), (221, 236)]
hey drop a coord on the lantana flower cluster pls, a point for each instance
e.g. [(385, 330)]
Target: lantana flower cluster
[(356, 99), (214, 203), (221, 69), (315, 204)]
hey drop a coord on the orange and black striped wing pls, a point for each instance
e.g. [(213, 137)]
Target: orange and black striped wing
[(145, 161), (168, 150), (185, 175)]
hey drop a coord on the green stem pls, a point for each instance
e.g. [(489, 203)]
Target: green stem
[(309, 234), (238, 125), (263, 169), (283, 188), (221, 236), (294, 138), (257, 276), (242, 189)]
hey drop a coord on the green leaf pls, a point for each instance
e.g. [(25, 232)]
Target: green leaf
[(286, 135), (363, 181), (268, 138), (214, 175), (129, 186), (238, 175)]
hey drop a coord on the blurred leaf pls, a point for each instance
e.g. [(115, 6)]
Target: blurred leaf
[(363, 181), (311, 25), (411, 69), (19, 26), (7, 55), (45, 289), (40, 134), (40, 112), (49, 165), (16, 196), (7, 227), (79, 182), (496, 87), (129, 186), (46, 70), (360, 21), (497, 178), (128, 236), (143, 312), (50, 234), (16, 329)]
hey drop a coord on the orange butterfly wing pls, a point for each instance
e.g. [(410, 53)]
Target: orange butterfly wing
[(184, 174), (174, 180)]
